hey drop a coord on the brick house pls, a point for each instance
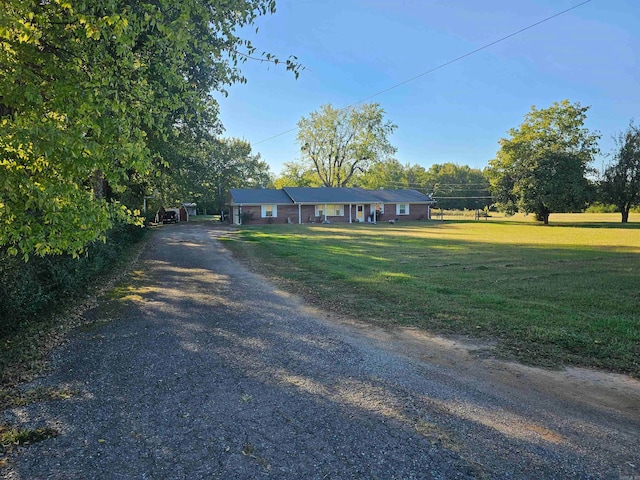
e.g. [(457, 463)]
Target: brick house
[(334, 205)]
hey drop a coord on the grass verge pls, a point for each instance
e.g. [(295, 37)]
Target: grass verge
[(565, 294)]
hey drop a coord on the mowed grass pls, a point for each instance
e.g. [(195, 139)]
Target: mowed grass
[(564, 294)]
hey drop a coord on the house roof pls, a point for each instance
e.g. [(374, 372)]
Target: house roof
[(327, 195), (402, 196), (311, 195), (257, 196)]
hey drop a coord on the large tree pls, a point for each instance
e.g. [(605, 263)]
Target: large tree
[(340, 143), (621, 183), (229, 163), (94, 95), (542, 167)]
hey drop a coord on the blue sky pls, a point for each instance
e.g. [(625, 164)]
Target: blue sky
[(353, 49)]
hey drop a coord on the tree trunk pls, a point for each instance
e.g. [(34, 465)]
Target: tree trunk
[(625, 215), (542, 215), (98, 184)]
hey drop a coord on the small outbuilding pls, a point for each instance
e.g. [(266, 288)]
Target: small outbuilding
[(190, 208)]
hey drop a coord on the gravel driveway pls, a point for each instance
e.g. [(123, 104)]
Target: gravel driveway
[(205, 370)]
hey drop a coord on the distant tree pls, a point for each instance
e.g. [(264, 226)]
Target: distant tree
[(389, 173), (206, 176), (296, 174), (456, 186), (340, 143), (541, 168), (459, 187), (231, 164), (416, 176), (621, 183)]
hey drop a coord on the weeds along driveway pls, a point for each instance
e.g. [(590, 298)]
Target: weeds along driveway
[(202, 369)]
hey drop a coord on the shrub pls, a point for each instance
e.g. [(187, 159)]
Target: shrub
[(29, 289), (246, 217), (602, 208)]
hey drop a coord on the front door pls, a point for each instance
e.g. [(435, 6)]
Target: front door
[(360, 213)]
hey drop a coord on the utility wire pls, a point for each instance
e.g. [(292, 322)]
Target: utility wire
[(436, 184), (457, 59)]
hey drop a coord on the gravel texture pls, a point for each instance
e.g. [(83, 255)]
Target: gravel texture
[(205, 370)]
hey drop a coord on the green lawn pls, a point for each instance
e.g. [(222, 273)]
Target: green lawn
[(568, 293)]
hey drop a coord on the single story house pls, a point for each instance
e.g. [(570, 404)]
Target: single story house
[(334, 205)]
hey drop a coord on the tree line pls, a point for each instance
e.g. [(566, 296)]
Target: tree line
[(544, 166)]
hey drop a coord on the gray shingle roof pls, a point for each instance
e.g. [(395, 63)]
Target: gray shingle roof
[(257, 196), (311, 195), (327, 195), (401, 196)]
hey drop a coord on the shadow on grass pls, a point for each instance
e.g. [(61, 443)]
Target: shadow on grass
[(546, 305), (242, 379)]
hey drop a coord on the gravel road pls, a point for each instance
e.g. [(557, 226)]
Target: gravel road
[(205, 370)]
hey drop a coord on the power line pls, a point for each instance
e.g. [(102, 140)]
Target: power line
[(472, 52), (457, 59), (437, 183), (441, 186)]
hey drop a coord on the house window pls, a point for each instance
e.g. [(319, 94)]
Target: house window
[(402, 209), (332, 210), (269, 211)]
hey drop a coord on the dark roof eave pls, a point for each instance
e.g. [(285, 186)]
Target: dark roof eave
[(333, 202)]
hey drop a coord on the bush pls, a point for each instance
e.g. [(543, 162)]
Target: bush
[(28, 290), (246, 217), (453, 213), (602, 208)]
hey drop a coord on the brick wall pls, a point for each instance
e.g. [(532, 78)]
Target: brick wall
[(416, 212), (284, 212), (290, 212)]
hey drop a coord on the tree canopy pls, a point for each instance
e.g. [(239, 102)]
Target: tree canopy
[(621, 183), (389, 173), (453, 186), (459, 187), (541, 168), (95, 96), (223, 164), (340, 143), (297, 174)]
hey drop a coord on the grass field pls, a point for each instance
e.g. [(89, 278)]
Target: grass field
[(564, 294)]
